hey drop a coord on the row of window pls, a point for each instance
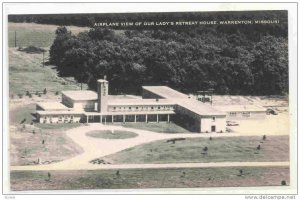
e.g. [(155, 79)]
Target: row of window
[(130, 108), (59, 117), (244, 114), (65, 118)]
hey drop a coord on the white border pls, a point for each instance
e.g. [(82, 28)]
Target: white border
[(46, 8)]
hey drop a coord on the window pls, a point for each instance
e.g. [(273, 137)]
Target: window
[(72, 116), (129, 108), (246, 114), (214, 119), (136, 108), (114, 108), (158, 107), (152, 107), (232, 114)]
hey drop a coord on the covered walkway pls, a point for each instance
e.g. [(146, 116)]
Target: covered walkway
[(111, 117)]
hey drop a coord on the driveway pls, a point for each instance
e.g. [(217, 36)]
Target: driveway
[(97, 147)]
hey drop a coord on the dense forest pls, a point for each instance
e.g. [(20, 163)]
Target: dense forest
[(231, 59)]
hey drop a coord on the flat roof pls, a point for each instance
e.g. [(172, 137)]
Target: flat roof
[(58, 112), (137, 102), (165, 92), (183, 100), (52, 106), (81, 95), (241, 108), (199, 107)]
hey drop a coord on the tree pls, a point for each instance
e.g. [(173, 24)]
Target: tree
[(241, 172), (49, 176), (258, 147), (205, 149), (229, 60)]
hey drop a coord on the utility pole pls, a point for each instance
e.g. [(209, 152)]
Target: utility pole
[(15, 38), (43, 59)]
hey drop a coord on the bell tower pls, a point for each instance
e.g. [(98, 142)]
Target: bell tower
[(102, 86)]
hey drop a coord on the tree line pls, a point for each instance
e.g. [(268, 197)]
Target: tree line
[(231, 59)]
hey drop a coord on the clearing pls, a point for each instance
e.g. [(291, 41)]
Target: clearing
[(220, 149), (39, 35)]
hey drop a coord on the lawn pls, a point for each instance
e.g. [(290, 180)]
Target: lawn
[(22, 115), (108, 134), (161, 127), (30, 145), (220, 149), (39, 35), (60, 126), (27, 74), (38, 142), (149, 178)]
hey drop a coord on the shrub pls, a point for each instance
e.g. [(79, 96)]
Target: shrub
[(24, 120), (45, 91), (258, 147), (32, 49), (283, 182), (241, 172), (56, 93)]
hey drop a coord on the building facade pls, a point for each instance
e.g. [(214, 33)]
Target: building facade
[(158, 104)]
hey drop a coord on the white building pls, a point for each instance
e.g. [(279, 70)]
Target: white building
[(158, 103), (236, 112)]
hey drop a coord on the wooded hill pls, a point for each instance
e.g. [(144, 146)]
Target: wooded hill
[(232, 59)]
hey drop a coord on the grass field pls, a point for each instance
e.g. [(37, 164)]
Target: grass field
[(108, 134), (149, 178), (26, 74), (20, 114), (25, 70), (60, 126), (275, 148), (39, 35), (30, 145), (26, 140), (155, 127)]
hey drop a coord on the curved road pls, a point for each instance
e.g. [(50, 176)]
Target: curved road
[(96, 148)]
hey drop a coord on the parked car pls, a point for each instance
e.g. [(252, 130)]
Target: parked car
[(232, 123), (271, 112)]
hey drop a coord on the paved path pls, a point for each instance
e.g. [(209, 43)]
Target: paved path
[(153, 166), (97, 147)]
